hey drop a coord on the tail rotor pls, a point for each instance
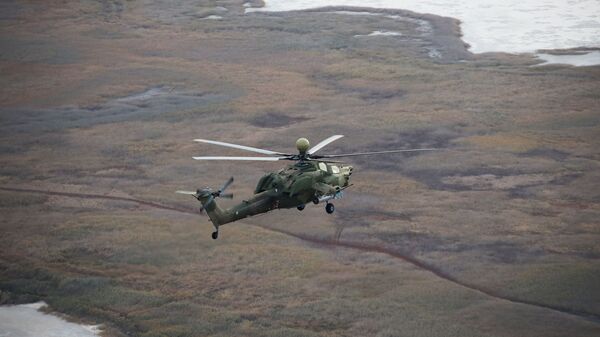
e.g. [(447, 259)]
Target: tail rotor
[(206, 195), (212, 195)]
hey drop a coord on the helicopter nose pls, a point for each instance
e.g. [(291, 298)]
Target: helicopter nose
[(347, 170)]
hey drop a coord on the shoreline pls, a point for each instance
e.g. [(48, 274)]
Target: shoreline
[(31, 319), (446, 33), (447, 30)]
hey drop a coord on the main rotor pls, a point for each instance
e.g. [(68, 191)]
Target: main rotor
[(305, 152)]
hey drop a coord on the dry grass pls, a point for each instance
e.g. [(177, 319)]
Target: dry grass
[(511, 205)]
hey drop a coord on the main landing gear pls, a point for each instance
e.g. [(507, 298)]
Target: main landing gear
[(301, 207), (329, 208)]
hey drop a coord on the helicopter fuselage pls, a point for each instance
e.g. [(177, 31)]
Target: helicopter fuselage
[(293, 186)]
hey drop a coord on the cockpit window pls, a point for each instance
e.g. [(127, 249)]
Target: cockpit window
[(323, 167), (335, 169)]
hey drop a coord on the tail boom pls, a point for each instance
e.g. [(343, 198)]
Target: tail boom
[(259, 203)]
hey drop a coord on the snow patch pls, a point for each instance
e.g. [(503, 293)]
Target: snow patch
[(381, 33)]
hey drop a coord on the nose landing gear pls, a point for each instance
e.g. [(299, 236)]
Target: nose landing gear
[(329, 208), (215, 234), (301, 207)]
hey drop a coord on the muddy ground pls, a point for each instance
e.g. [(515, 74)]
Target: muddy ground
[(495, 235)]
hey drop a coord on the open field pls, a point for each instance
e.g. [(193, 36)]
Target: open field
[(496, 235)]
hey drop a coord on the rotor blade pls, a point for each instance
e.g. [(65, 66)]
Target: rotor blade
[(323, 143), (241, 158), (227, 183), (186, 192), (318, 158), (241, 147), (370, 153), (227, 196)]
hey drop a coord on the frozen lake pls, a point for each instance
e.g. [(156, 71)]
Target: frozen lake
[(26, 320), (513, 26), (579, 60)]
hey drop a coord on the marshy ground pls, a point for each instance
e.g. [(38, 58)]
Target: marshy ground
[(496, 235)]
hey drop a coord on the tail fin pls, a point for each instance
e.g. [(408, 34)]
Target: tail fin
[(209, 204)]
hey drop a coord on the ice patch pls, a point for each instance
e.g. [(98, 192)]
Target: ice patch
[(433, 53), (578, 60), (381, 33), (513, 26), (26, 320), (146, 95)]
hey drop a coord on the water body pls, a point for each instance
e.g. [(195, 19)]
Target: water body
[(511, 26), (26, 320), (579, 60)]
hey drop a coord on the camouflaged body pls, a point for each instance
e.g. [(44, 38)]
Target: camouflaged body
[(293, 186)]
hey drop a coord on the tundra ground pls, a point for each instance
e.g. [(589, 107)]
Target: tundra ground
[(495, 235)]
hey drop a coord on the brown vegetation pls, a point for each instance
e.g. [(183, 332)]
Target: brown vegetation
[(105, 97)]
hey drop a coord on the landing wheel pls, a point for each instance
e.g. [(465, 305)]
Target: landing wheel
[(215, 235), (315, 200), (329, 208), (301, 207)]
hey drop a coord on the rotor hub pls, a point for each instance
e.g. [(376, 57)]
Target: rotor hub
[(302, 145)]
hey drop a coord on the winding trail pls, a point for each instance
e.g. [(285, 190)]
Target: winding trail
[(592, 317)]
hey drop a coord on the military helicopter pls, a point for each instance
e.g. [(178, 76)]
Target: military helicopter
[(311, 178)]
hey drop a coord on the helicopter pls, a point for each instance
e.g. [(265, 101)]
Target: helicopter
[(310, 178)]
